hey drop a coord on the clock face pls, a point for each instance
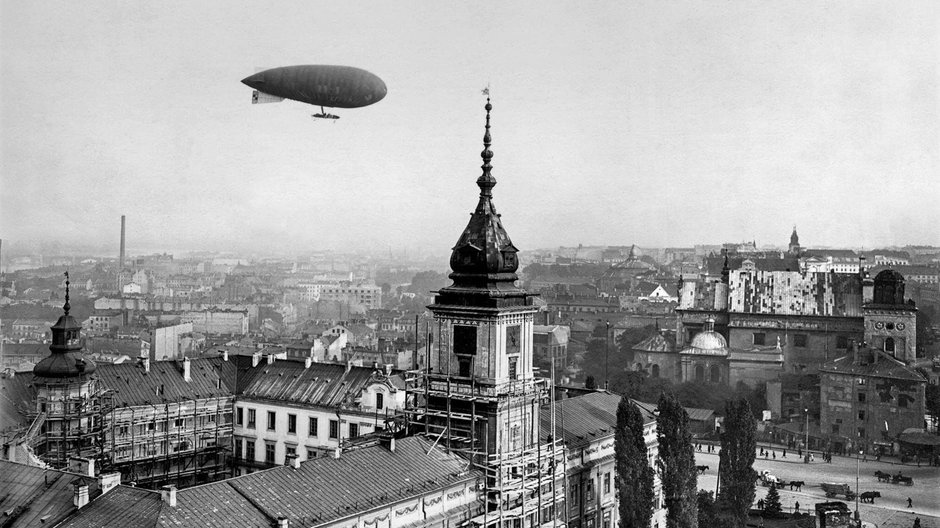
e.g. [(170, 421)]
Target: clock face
[(513, 334)]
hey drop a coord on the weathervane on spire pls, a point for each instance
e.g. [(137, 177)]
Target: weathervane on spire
[(66, 307)]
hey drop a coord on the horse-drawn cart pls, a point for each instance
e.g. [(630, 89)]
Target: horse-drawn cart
[(835, 489)]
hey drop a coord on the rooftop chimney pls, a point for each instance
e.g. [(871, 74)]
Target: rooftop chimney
[(307, 362), (282, 522), (255, 359), (338, 452), (121, 260), (82, 466), (270, 359), (145, 362), (108, 481), (187, 373), (80, 493), (388, 369), (168, 494), (225, 355), (348, 366)]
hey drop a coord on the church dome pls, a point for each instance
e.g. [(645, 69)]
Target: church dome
[(709, 341), (66, 360)]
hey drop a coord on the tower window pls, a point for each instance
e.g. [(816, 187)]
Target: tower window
[(513, 367), (889, 345), (465, 366), (759, 338), (465, 340)]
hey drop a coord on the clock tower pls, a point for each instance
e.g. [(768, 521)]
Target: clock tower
[(478, 395)]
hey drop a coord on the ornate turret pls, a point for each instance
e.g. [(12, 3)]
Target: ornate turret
[(794, 243), (484, 260), (66, 360)]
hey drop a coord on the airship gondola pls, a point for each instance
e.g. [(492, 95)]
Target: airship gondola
[(318, 85)]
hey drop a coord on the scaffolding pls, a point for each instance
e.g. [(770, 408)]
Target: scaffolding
[(524, 482), (66, 421)]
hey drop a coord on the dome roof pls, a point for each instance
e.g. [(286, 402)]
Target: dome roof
[(66, 360), (709, 341)]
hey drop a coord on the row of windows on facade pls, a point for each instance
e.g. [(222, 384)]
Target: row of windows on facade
[(312, 423), (245, 448)]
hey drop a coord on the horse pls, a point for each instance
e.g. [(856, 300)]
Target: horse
[(798, 484), (882, 476), (701, 469), (869, 496)]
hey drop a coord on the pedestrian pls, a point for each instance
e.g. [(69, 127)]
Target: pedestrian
[(760, 504), (916, 522), (910, 503), (774, 453), (784, 453), (796, 507), (762, 451)]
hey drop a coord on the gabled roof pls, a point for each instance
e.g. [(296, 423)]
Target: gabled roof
[(879, 365), (322, 384), (657, 343), (583, 419), (133, 386), (36, 496), (119, 508)]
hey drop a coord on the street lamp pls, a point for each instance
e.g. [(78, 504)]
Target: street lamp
[(857, 455), (606, 354), (806, 441)]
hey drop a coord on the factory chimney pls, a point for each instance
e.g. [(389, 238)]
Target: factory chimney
[(121, 262)]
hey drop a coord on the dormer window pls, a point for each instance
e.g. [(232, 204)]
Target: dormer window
[(379, 400)]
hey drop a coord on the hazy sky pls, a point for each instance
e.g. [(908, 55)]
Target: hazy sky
[(656, 123)]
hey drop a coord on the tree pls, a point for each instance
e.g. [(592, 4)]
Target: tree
[(707, 514), (772, 507), (677, 463), (634, 474), (736, 460)]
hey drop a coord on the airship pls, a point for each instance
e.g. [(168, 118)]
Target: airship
[(318, 85)]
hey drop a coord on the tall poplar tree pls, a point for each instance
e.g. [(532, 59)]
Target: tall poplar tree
[(677, 464), (634, 474), (736, 461)]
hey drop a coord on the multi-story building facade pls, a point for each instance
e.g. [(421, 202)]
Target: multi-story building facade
[(302, 409), (868, 398)]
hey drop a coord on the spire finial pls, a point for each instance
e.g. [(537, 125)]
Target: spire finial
[(67, 307), (486, 181)]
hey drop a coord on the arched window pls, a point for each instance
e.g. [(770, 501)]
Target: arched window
[(655, 370), (715, 374), (699, 373), (889, 345)]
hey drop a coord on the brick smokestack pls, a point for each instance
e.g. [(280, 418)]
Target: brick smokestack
[(121, 262)]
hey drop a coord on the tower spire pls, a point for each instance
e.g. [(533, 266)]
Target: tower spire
[(486, 181), (67, 307)]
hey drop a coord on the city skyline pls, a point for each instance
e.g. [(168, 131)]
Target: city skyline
[(619, 124)]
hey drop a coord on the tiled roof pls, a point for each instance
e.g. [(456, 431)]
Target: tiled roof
[(17, 395), (581, 420), (37, 496), (657, 343), (133, 386), (325, 384), (885, 366), (121, 507)]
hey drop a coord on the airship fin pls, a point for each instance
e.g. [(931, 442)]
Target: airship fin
[(259, 97)]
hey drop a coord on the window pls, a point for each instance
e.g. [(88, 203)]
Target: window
[(269, 453), (861, 397), (699, 373), (290, 450), (655, 370), (513, 367), (251, 418), (379, 400), (861, 415), (464, 365), (799, 340), (861, 432), (902, 401), (334, 429), (715, 374), (842, 341), (272, 420), (353, 430), (606, 483), (250, 449), (835, 429), (589, 490), (759, 338), (291, 424), (889, 345), (312, 427), (465, 340), (239, 418), (311, 454)]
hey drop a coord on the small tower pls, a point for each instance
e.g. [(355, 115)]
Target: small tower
[(795, 248), (480, 395), (67, 395), (890, 322)]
